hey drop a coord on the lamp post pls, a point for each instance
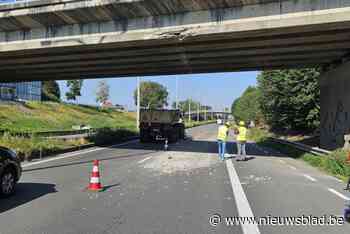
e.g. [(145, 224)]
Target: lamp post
[(189, 110), (177, 93), (138, 103)]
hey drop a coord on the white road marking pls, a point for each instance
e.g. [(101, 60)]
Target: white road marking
[(335, 178), (339, 194), (310, 178), (74, 154), (242, 203), (291, 167), (145, 159), (281, 161)]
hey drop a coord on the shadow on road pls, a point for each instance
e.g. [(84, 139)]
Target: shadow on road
[(26, 192), (88, 161), (189, 145), (201, 146)]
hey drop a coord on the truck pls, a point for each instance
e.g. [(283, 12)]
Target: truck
[(161, 125)]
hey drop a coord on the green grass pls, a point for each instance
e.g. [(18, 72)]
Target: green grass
[(334, 164), (48, 116), (28, 148), (257, 135)]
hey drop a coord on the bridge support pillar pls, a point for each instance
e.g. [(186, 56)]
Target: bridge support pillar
[(335, 106)]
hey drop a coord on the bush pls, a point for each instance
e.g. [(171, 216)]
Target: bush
[(29, 148), (258, 135), (105, 136)]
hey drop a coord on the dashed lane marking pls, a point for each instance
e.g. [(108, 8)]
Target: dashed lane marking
[(144, 160), (291, 167), (310, 178), (339, 194), (281, 161)]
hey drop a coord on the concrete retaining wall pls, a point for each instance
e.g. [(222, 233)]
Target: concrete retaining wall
[(335, 106)]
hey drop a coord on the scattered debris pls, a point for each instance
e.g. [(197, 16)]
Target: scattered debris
[(181, 162)]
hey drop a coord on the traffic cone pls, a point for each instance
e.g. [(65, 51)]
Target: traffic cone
[(95, 184)]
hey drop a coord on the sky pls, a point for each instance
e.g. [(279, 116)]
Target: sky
[(218, 90)]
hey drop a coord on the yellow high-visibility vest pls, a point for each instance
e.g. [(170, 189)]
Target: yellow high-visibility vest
[(242, 136), (222, 133)]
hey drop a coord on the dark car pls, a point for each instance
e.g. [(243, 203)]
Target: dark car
[(10, 171)]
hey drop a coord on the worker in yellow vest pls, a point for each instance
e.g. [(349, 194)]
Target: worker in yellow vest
[(241, 141), (222, 138)]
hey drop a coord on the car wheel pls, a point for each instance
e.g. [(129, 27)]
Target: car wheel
[(347, 214), (7, 183)]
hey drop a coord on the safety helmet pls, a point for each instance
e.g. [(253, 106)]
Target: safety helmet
[(228, 124), (241, 123)]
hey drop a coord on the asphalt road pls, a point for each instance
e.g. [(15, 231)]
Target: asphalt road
[(148, 190)]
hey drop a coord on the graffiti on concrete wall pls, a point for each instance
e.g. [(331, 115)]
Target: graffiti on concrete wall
[(335, 125)]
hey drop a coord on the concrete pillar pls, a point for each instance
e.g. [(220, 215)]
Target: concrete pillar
[(335, 106)]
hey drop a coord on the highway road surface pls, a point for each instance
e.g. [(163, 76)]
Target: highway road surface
[(184, 190)]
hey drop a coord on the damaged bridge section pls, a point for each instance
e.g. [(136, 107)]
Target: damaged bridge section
[(81, 39)]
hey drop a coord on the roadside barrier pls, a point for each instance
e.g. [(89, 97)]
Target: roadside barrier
[(302, 147)]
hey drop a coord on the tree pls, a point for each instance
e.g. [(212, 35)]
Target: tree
[(247, 106), (153, 95), (74, 89), (102, 93), (290, 99), (50, 91)]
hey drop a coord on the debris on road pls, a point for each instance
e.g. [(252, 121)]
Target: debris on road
[(181, 162)]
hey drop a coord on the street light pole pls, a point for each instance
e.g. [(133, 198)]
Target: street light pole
[(138, 103), (177, 93), (198, 106), (189, 110)]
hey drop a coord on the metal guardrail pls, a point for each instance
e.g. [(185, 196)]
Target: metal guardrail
[(49, 133), (302, 147)]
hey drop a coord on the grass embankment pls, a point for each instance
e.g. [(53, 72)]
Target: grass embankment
[(28, 148), (335, 163), (35, 117), (195, 123)]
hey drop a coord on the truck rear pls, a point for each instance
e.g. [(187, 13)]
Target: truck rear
[(161, 125)]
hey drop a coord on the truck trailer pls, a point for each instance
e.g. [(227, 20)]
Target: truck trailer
[(161, 125)]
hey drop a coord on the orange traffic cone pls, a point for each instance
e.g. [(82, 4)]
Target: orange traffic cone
[(95, 184)]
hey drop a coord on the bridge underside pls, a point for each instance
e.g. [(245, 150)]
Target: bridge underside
[(298, 39)]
